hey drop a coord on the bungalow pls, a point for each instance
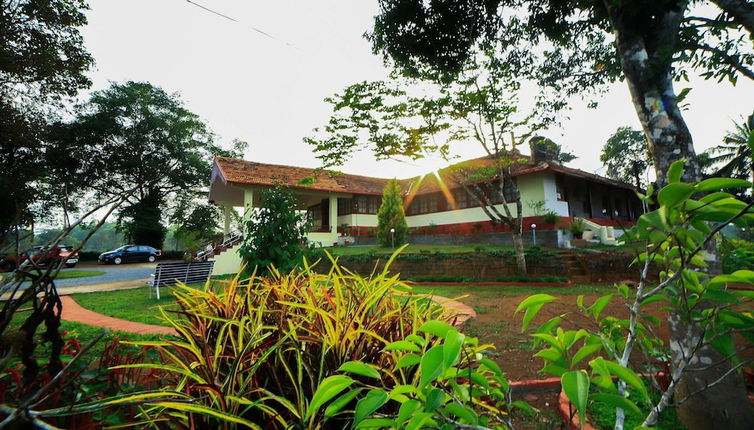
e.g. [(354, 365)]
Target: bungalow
[(438, 208)]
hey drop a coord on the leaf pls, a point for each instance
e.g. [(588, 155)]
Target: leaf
[(675, 171), (576, 387), (599, 305), (376, 423), (418, 421), (435, 327), (369, 404), (520, 404), (464, 413), (451, 349), (435, 399), (407, 410), (431, 365), (402, 345), (673, 194), (359, 368), (341, 402), (714, 184), (407, 360), (533, 304), (327, 390), (629, 376), (584, 352), (205, 410), (618, 401)]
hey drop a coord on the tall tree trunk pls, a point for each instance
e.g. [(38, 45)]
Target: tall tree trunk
[(649, 79), (518, 247)]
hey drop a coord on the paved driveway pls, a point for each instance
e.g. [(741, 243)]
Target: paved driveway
[(123, 272)]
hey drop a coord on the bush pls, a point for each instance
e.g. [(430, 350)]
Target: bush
[(550, 217), (577, 226), (736, 255), (255, 351), (275, 234), (391, 216)]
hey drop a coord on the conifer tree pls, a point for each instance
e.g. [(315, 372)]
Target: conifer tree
[(391, 216)]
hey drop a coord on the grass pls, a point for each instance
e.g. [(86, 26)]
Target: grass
[(132, 305), (507, 291), (412, 249), (70, 274)]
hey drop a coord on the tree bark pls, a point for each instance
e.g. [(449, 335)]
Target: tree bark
[(518, 247), (649, 78)]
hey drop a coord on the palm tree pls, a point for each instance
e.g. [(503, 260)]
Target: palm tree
[(735, 152)]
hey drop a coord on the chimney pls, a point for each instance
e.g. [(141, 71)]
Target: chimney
[(542, 149)]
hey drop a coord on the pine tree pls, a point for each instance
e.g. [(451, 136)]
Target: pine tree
[(391, 216)]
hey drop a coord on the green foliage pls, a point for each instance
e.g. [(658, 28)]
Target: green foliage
[(675, 234), (736, 255), (626, 156), (43, 61), (549, 150), (391, 217), (144, 138), (106, 238), (275, 234), (602, 413), (577, 226), (550, 217), (443, 380), (733, 159), (141, 222), (269, 352)]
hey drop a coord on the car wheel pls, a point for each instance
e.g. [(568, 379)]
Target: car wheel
[(70, 265), (8, 266), (151, 258), (117, 260)]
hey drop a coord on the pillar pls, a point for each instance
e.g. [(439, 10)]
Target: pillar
[(248, 204), (226, 219), (333, 215)]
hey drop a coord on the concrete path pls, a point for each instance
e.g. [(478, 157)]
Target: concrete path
[(72, 311)]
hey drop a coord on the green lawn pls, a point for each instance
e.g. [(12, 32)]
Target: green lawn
[(69, 274), (133, 305), (412, 249)]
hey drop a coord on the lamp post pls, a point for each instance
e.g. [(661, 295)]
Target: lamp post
[(534, 234), (392, 237)]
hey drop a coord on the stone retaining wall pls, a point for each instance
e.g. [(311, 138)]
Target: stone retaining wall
[(597, 268)]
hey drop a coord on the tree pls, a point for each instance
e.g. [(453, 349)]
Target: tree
[(571, 48), (735, 154), (203, 220), (480, 106), (391, 217), (143, 137), (626, 156), (42, 60), (275, 234)]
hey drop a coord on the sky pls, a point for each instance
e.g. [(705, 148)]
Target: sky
[(263, 77)]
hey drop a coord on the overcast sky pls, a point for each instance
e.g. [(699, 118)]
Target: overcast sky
[(269, 91)]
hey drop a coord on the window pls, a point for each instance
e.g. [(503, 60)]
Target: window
[(462, 198), (432, 203), (560, 191), (345, 206), (374, 204)]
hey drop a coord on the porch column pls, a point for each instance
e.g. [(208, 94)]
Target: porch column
[(226, 219), (333, 215), (248, 204)]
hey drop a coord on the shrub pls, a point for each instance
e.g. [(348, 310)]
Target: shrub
[(391, 216), (255, 351), (736, 255), (577, 226), (550, 217), (275, 234)]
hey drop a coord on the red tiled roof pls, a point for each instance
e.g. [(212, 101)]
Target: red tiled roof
[(248, 172), (251, 173)]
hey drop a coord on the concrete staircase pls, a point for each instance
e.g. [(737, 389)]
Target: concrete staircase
[(229, 241), (575, 270), (606, 234)]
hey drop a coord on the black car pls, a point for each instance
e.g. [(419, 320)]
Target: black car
[(130, 254)]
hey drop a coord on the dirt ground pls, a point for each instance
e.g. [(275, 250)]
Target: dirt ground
[(498, 324)]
